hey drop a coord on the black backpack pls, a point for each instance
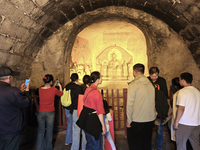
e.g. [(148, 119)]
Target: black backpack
[(161, 105)]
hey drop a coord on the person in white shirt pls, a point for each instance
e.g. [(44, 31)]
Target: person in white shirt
[(187, 121)]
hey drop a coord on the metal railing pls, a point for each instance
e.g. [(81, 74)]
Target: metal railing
[(116, 99)]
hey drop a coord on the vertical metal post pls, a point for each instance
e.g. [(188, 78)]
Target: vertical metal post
[(124, 103), (118, 110), (113, 100), (107, 96), (65, 119)]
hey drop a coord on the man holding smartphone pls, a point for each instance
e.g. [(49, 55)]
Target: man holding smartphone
[(12, 102)]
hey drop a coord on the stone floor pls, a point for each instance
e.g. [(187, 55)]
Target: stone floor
[(59, 140)]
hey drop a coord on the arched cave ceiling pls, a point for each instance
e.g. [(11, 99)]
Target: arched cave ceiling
[(26, 24)]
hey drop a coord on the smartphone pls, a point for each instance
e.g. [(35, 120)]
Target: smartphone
[(57, 80), (27, 82)]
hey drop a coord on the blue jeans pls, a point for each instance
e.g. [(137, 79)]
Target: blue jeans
[(45, 118), (83, 141), (159, 136), (93, 144), (75, 132), (68, 138)]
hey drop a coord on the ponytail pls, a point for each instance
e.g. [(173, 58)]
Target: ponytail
[(47, 78), (94, 76)]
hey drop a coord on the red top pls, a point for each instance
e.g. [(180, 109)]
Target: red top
[(47, 97), (94, 99)]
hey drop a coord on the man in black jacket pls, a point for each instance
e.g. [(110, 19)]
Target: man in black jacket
[(73, 131), (12, 102), (160, 84)]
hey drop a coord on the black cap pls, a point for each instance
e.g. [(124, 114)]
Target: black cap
[(6, 71)]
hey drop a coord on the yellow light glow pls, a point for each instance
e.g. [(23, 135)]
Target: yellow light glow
[(112, 48)]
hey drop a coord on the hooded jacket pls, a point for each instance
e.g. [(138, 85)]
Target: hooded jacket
[(141, 100)]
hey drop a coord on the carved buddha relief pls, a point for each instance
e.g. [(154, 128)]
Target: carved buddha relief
[(114, 63)]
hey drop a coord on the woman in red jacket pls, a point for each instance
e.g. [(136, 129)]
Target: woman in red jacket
[(46, 112), (92, 115)]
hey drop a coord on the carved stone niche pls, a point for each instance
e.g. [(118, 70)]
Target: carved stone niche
[(114, 63)]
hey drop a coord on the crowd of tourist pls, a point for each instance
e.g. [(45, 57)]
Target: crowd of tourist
[(147, 107)]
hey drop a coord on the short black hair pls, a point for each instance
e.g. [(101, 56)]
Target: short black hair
[(74, 77), (175, 81), (187, 77), (139, 68), (153, 70), (86, 79)]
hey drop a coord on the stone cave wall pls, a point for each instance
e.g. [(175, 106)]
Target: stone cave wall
[(26, 25), (165, 48)]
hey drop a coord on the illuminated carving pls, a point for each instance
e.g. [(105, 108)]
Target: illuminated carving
[(80, 61), (112, 48), (114, 63)]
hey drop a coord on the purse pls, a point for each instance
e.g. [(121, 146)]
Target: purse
[(80, 104)]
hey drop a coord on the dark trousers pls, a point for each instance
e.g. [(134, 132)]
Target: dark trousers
[(139, 135), (10, 144)]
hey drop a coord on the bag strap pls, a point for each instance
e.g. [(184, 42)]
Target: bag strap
[(156, 86), (88, 94)]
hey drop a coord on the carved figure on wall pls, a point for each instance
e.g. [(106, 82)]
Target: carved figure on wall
[(84, 46), (124, 68), (80, 71), (113, 66), (80, 58), (98, 65), (87, 69), (129, 67), (104, 70), (73, 66)]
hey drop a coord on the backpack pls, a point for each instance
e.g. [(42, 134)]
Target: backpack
[(66, 98), (161, 105)]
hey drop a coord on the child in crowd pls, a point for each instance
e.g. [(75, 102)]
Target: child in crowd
[(108, 117)]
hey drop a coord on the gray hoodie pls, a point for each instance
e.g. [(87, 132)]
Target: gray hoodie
[(141, 100)]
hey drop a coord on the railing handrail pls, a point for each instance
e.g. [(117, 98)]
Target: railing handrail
[(115, 102)]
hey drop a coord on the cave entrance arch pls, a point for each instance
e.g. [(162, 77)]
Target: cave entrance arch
[(112, 48)]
